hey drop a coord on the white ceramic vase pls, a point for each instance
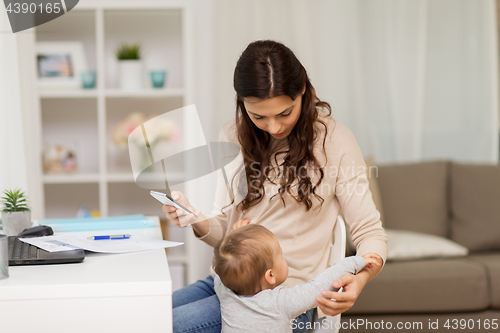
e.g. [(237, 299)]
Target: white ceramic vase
[(131, 74), (15, 222)]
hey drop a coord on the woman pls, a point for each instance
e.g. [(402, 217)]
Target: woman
[(301, 167)]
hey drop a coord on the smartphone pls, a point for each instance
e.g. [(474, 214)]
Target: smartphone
[(167, 200)]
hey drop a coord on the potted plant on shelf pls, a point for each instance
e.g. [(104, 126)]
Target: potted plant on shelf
[(16, 215), (130, 66)]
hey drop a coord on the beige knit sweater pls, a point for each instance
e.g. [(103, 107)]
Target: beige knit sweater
[(305, 236)]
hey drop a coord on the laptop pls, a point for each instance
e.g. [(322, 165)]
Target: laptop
[(21, 253)]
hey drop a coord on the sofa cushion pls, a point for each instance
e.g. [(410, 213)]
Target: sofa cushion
[(438, 285), (414, 197), (474, 193), (410, 245), (492, 263)]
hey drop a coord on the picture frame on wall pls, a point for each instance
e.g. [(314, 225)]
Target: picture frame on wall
[(60, 64)]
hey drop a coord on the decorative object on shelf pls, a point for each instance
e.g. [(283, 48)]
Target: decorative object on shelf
[(88, 79), (60, 64), (122, 130), (16, 215), (58, 158), (158, 78), (130, 66), (84, 211), (161, 131)]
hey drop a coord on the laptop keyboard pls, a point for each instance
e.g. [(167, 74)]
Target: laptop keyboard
[(20, 250)]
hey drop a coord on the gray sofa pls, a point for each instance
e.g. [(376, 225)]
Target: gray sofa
[(460, 202)]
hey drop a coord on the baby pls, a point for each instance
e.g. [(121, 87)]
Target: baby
[(249, 267)]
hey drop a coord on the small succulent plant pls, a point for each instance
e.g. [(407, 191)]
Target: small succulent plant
[(128, 51), (14, 201)]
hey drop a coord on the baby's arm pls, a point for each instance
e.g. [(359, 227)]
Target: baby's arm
[(296, 300)]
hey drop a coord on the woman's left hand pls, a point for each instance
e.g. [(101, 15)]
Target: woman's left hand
[(240, 224), (352, 286)]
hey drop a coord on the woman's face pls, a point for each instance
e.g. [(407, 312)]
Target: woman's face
[(277, 115)]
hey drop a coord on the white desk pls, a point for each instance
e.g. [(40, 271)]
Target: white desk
[(129, 292)]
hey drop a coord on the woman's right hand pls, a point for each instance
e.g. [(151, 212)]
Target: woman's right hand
[(174, 215)]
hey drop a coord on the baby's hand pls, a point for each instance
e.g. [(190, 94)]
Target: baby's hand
[(371, 260)]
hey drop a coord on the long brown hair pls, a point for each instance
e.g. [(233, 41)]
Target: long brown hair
[(264, 70)]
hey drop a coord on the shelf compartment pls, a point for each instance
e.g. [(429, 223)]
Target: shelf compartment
[(177, 258), (74, 26), (72, 122), (64, 200), (159, 32), (117, 110), (128, 198)]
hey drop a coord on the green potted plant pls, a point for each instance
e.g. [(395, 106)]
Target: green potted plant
[(16, 214), (130, 65)]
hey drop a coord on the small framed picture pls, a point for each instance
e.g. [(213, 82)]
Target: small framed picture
[(60, 64)]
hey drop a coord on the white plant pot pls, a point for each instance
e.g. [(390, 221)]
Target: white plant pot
[(14, 223), (131, 74)]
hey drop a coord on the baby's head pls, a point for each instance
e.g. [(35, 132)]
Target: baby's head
[(249, 259)]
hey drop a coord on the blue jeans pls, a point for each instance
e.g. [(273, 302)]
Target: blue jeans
[(196, 308)]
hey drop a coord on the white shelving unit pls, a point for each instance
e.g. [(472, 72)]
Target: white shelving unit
[(104, 179), (93, 93)]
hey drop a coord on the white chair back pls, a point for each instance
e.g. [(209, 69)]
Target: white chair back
[(337, 253)]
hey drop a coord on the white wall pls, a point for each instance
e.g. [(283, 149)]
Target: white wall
[(414, 80)]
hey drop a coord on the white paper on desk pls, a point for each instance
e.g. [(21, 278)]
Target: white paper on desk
[(49, 245), (133, 244)]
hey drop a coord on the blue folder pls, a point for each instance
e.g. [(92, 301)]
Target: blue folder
[(98, 223)]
